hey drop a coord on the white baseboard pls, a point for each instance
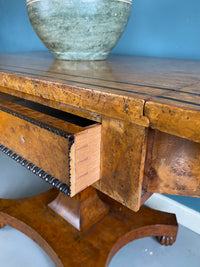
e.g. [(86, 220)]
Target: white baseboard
[(185, 216)]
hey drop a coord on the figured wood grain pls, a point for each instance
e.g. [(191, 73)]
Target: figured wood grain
[(7, 92), (43, 140), (122, 161), (123, 87), (103, 102), (136, 92), (180, 121), (115, 92), (39, 146), (96, 246), (40, 117), (82, 211), (174, 167)]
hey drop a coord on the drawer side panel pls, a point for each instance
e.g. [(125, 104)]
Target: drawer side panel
[(85, 159)]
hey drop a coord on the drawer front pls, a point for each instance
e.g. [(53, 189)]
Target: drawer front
[(62, 153)]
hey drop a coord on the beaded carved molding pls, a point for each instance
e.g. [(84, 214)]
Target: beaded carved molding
[(63, 187)]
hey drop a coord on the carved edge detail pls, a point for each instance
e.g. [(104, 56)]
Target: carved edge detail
[(71, 142), (62, 187)]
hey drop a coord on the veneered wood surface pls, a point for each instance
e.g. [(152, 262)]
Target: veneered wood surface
[(41, 118), (40, 76), (39, 146), (124, 91), (174, 167), (96, 246), (123, 151), (23, 131), (123, 87), (117, 92), (82, 211), (179, 121), (56, 105)]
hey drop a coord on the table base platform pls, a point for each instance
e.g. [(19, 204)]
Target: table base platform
[(96, 244)]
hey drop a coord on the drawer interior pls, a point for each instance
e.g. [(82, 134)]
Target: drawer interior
[(61, 115)]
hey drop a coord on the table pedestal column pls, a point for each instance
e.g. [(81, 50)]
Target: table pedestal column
[(96, 242)]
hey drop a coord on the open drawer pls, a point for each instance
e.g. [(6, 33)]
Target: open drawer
[(61, 148)]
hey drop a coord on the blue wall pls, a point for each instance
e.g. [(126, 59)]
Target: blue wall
[(16, 32), (166, 28)]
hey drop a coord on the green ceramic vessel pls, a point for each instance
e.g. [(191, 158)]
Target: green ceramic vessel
[(79, 29)]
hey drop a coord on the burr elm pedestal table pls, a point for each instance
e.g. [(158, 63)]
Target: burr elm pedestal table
[(105, 135)]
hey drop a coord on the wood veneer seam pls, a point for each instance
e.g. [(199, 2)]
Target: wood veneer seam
[(106, 80), (90, 84)]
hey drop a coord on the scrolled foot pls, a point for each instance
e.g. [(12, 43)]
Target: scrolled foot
[(166, 240)]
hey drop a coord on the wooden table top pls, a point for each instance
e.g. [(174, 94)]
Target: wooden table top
[(158, 92)]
